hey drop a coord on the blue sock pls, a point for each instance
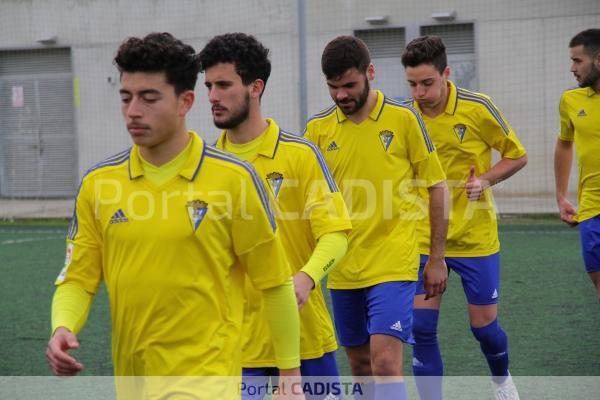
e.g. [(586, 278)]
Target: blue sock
[(368, 392), (494, 345), (387, 391), (428, 367)]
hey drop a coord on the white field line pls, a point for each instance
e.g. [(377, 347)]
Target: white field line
[(33, 231), (539, 232), (27, 240)]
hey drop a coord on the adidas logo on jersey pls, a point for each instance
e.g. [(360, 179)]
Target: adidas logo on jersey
[(495, 294), (332, 146), (118, 217), (397, 326), (417, 362), (581, 113)]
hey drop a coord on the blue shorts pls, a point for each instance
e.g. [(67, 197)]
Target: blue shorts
[(480, 277), (385, 308), (589, 232), (324, 369)]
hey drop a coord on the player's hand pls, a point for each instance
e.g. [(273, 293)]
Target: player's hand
[(567, 211), (303, 285), (435, 277), (475, 186), (290, 383), (60, 361)]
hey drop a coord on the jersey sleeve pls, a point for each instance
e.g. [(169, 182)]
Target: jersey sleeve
[(496, 132), (324, 204), (309, 132), (255, 238), (567, 131), (83, 260), (421, 151)]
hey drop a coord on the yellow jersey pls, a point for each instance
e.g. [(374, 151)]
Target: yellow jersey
[(464, 135), (307, 205), (580, 122), (378, 165), (174, 259)]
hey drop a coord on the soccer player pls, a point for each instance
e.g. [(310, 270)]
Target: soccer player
[(465, 127), (172, 227), (580, 123), (310, 211), (376, 149)]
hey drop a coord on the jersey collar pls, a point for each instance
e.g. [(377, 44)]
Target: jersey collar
[(190, 168), (269, 145), (452, 100), (590, 91)]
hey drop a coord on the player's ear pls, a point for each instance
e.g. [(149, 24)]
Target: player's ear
[(257, 88), (371, 72), (446, 72), (186, 101)]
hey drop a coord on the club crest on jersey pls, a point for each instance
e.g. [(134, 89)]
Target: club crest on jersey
[(386, 138), (196, 211), (460, 130), (275, 180)]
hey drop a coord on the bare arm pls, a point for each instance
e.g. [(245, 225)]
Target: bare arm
[(563, 159), (436, 271), (502, 170)]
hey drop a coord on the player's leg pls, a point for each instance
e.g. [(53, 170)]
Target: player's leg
[(589, 231), (350, 320), (595, 277), (428, 367), (321, 378), (480, 278), (256, 382), (389, 307)]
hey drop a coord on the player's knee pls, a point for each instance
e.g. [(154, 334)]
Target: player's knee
[(386, 364), (360, 364), (490, 336), (425, 323)]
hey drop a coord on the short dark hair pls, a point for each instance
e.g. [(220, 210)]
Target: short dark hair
[(344, 53), (245, 52), (160, 52), (590, 39), (425, 50)]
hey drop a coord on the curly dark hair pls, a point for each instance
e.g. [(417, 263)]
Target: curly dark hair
[(344, 53), (426, 50), (245, 52), (160, 52)]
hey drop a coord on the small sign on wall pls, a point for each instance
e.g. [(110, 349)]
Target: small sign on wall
[(18, 98)]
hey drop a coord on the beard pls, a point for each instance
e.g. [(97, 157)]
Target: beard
[(359, 102), (591, 78), (237, 117)]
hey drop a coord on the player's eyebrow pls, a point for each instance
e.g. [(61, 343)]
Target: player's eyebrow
[(141, 92)]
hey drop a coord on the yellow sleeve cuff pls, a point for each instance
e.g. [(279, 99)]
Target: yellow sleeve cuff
[(70, 307), (284, 322), (330, 249)]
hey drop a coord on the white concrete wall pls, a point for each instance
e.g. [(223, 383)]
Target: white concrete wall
[(522, 56), (93, 30)]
